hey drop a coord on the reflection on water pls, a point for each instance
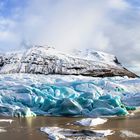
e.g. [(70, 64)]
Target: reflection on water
[(29, 128)]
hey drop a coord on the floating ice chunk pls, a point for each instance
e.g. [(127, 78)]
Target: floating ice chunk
[(130, 134), (56, 133), (90, 121), (2, 130), (6, 120), (105, 132), (53, 132)]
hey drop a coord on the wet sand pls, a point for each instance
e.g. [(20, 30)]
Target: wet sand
[(29, 128)]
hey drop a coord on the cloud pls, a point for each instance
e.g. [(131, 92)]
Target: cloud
[(69, 24), (118, 4), (9, 38), (111, 26)]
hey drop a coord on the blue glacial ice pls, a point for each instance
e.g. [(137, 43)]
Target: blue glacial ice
[(25, 95)]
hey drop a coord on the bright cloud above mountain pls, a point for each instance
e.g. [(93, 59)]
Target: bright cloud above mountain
[(106, 25)]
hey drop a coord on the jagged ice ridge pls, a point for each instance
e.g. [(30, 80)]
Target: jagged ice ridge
[(24, 95)]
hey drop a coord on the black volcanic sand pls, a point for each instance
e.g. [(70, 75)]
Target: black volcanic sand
[(29, 128)]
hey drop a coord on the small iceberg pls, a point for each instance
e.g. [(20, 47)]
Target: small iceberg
[(90, 122), (6, 120), (56, 133), (129, 134), (2, 130)]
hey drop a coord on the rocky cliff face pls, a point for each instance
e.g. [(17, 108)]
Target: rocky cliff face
[(45, 60)]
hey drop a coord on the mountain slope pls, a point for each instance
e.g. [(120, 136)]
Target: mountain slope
[(46, 60)]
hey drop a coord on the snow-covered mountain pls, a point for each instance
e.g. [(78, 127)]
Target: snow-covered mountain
[(47, 60), (97, 56)]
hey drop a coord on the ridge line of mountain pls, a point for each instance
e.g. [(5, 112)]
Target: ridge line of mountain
[(46, 60)]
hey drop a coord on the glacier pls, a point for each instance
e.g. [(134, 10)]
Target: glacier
[(26, 95)]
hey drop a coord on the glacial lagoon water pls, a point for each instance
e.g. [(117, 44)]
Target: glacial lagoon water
[(124, 128), (36, 101)]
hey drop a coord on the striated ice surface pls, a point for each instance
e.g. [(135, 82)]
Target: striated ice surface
[(25, 95)]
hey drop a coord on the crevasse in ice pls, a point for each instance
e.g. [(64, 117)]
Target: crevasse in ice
[(24, 95)]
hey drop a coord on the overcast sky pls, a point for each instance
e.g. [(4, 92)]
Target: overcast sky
[(112, 26)]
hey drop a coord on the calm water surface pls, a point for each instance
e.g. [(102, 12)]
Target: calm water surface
[(29, 128)]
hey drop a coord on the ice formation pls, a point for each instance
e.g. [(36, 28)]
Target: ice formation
[(24, 95)]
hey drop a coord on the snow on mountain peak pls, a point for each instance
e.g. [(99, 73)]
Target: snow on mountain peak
[(98, 56), (47, 60)]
